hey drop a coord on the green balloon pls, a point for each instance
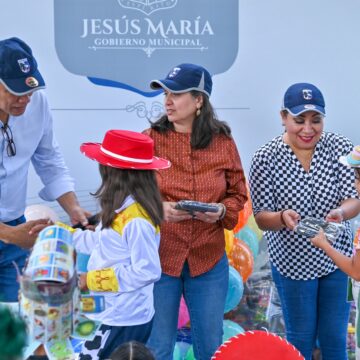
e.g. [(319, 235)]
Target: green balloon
[(180, 350), (190, 354)]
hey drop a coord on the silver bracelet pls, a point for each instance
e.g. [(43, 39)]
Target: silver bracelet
[(223, 211)]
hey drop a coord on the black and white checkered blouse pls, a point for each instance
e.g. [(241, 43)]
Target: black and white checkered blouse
[(278, 181)]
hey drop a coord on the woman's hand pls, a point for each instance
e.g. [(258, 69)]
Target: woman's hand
[(320, 240), (173, 215), (210, 217), (290, 218), (335, 215)]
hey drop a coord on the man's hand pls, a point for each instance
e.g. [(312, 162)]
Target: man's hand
[(70, 204), (79, 215), (23, 235)]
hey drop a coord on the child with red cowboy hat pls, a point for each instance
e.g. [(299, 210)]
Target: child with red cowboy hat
[(124, 261)]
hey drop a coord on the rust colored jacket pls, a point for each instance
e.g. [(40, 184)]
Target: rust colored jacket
[(213, 174)]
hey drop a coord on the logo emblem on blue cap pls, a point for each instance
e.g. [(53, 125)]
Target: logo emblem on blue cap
[(174, 72), (307, 94), (31, 82), (24, 65)]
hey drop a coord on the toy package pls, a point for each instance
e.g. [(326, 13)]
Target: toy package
[(51, 302)]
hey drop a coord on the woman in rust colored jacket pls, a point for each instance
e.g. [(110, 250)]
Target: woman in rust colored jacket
[(205, 167)]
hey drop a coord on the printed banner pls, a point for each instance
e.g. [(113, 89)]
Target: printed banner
[(128, 43)]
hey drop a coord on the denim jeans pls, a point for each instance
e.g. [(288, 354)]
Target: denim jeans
[(315, 309), (205, 298), (10, 254)]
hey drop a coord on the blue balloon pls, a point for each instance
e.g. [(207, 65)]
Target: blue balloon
[(250, 238), (235, 290), (231, 329)]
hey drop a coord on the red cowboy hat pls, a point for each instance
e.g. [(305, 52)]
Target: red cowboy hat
[(125, 150)]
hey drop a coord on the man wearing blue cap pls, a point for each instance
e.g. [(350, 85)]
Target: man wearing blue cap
[(294, 176), (27, 135)]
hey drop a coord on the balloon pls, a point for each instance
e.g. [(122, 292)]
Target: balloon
[(241, 258), (235, 290), (39, 211), (190, 354), (257, 345), (231, 329), (184, 316), (229, 240), (250, 238), (253, 226), (180, 350), (245, 213)]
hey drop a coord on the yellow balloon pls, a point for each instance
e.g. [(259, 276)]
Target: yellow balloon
[(229, 240), (253, 226)]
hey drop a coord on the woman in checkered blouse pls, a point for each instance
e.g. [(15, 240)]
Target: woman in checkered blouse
[(298, 175)]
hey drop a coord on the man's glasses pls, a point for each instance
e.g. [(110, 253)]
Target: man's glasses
[(8, 136)]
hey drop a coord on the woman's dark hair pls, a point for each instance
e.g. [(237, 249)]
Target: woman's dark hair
[(132, 350), (117, 184), (204, 126)]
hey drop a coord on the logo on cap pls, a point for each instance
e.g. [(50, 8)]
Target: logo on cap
[(24, 65), (31, 82), (307, 94), (174, 72)]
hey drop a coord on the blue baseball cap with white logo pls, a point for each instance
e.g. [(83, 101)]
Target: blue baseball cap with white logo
[(18, 68), (302, 97), (185, 77)]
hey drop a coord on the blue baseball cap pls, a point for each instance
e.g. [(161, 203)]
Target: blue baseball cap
[(302, 97), (18, 68), (185, 77)]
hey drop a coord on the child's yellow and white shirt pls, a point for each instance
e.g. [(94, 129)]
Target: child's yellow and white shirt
[(123, 266)]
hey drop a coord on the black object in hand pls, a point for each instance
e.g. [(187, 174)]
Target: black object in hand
[(191, 206), (92, 220)]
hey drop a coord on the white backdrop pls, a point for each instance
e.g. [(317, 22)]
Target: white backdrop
[(280, 42)]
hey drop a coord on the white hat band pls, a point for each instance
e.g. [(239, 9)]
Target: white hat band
[(125, 158)]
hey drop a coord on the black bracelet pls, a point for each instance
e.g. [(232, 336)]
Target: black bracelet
[(281, 217)]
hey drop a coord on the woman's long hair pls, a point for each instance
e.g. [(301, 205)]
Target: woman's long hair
[(117, 184), (205, 126)]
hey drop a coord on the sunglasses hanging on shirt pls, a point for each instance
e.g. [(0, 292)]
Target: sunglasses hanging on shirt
[(8, 136)]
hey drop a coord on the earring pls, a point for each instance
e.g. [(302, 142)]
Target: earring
[(198, 112)]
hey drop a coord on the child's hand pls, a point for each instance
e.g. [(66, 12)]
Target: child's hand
[(82, 282), (320, 240)]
